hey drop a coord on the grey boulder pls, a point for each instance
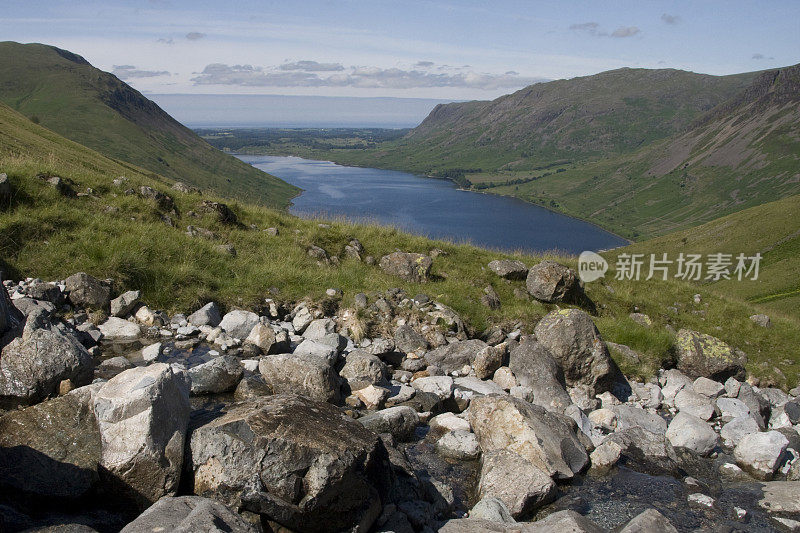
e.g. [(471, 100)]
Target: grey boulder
[(400, 421), (188, 514), (521, 486), (307, 375), (456, 355), (414, 268), (509, 269), (703, 355), (238, 323), (690, 432), (534, 366), (87, 291), (208, 315), (221, 374), (552, 282)]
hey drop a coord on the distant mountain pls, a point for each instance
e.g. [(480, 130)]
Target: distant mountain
[(63, 92)]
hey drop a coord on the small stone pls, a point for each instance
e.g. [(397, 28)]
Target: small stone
[(505, 378), (701, 500), (372, 396), (761, 320)]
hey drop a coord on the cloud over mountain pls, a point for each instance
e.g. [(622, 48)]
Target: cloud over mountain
[(127, 72)]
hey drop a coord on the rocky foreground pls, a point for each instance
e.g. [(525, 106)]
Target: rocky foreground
[(386, 417)]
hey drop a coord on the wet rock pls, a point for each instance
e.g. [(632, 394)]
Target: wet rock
[(415, 268), (455, 356), (51, 449), (407, 340), (299, 462), (703, 355), (637, 449), (219, 375), (760, 454), (186, 514), (516, 482), (123, 305), (460, 445), (33, 364), (119, 330), (574, 342), (238, 323), (551, 282), (143, 414), (509, 269), (693, 433), (400, 421), (563, 521), (649, 521), (208, 315), (547, 440), (308, 375), (534, 366), (87, 291)]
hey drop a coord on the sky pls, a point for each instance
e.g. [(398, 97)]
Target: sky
[(448, 49)]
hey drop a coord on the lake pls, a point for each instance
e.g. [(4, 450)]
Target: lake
[(431, 207)]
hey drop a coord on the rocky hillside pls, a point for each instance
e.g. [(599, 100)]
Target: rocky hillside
[(62, 91)]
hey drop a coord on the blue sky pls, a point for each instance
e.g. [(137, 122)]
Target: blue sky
[(421, 49)]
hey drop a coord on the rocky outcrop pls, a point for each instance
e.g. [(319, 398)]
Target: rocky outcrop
[(703, 355), (143, 414), (415, 268), (185, 514), (33, 364), (298, 462), (534, 366)]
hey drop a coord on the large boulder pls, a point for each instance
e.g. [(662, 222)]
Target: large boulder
[(239, 323), (574, 342), (547, 440), (185, 514), (551, 282), (87, 291), (415, 268), (33, 364), (120, 330), (51, 449), (509, 269), (143, 414), (693, 433), (563, 522), (761, 453), (208, 315), (703, 355), (125, 303), (304, 374), (534, 366), (298, 462), (513, 480), (221, 374), (456, 355), (649, 521), (400, 421), (407, 340)]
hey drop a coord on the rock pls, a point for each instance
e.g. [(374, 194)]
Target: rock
[(33, 364), (321, 350), (758, 405), (299, 462), (490, 298), (475, 386), (208, 315), (60, 185), (354, 249), (534, 366), (574, 342), (401, 421), (703, 355), (688, 431), (605, 419), (119, 330), (708, 387), (185, 188), (223, 213), (152, 352), (373, 397), (456, 355), (149, 318), (762, 320), (448, 422), (415, 268), (730, 408), (219, 375), (641, 319), (51, 449), (108, 368), (460, 445), (261, 336), (516, 482), (551, 282), (225, 249), (238, 323), (399, 394), (163, 201), (563, 521), (10, 316), (637, 449), (187, 514), (122, 305), (732, 387), (308, 375), (89, 292), (701, 500), (780, 496), (649, 521), (318, 328), (407, 340), (5, 191), (143, 414), (441, 386), (251, 387), (737, 428), (318, 253), (493, 510), (488, 360), (688, 401), (760, 454), (474, 525), (505, 378), (547, 440), (509, 269), (362, 369)]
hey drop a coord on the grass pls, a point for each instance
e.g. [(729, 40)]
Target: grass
[(113, 235), (67, 95)]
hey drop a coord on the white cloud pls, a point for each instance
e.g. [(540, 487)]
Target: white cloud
[(594, 29), (127, 72), (312, 66)]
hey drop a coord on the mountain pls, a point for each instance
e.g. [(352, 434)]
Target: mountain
[(63, 92)]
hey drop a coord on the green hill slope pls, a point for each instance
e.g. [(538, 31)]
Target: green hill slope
[(108, 233), (63, 92)]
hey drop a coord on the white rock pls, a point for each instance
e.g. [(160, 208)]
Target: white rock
[(732, 386), (449, 422), (146, 316), (302, 319), (441, 386), (708, 387), (688, 401), (319, 328), (730, 408), (478, 386), (372, 396), (733, 431), (151, 353), (119, 330), (461, 445), (688, 431), (318, 349), (761, 453), (239, 323), (701, 500), (505, 378)]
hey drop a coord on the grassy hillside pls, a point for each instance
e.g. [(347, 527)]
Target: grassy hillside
[(63, 92), (110, 234)]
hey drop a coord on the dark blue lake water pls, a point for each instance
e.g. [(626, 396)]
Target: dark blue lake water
[(431, 207)]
